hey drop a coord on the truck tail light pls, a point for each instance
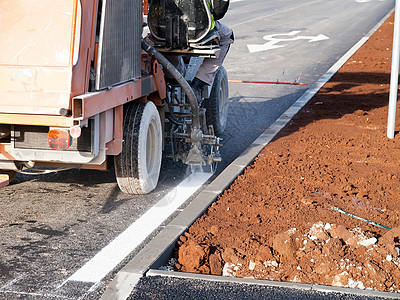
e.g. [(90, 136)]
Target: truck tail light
[(59, 139)]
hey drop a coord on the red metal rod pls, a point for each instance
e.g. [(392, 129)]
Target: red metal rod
[(266, 82)]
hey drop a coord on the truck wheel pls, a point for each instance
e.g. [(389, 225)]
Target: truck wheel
[(137, 167), (217, 105)]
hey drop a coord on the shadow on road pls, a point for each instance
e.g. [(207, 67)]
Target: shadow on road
[(346, 93)]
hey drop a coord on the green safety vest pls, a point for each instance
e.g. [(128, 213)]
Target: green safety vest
[(212, 16)]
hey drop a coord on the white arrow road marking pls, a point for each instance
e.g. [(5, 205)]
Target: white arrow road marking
[(273, 37), (290, 36), (267, 46), (319, 37)]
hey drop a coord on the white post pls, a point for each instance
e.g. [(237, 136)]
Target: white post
[(394, 76)]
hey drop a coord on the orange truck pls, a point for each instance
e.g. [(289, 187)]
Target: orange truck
[(80, 87)]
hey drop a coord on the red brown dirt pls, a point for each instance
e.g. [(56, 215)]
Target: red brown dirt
[(276, 220)]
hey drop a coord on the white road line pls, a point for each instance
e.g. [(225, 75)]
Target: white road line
[(111, 255), (35, 295), (275, 13), (12, 282)]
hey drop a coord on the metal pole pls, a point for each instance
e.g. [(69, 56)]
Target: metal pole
[(266, 82), (394, 76)]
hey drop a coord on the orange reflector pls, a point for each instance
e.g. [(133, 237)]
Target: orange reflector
[(59, 139), (4, 180)]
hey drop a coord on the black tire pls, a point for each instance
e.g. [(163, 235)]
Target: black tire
[(137, 167), (217, 105)]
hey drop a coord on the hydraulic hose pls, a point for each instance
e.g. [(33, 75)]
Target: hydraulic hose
[(170, 68)]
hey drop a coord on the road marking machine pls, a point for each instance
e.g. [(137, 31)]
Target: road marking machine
[(82, 87)]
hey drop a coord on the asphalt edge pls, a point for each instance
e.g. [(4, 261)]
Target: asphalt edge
[(158, 251), (276, 284)]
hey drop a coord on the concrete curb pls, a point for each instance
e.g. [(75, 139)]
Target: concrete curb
[(158, 251)]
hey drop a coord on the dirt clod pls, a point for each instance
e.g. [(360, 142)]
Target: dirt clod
[(391, 241), (286, 244)]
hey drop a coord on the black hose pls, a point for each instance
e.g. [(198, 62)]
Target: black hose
[(170, 68)]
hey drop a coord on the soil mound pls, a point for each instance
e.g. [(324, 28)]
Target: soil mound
[(283, 218)]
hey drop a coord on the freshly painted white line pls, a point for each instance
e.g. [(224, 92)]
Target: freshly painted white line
[(111, 255)]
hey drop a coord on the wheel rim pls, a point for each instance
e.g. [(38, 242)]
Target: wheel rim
[(223, 107), (151, 144)]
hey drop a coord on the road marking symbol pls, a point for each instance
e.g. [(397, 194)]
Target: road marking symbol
[(273, 40)]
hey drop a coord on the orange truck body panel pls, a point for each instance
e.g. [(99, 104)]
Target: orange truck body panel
[(35, 55), (47, 50)]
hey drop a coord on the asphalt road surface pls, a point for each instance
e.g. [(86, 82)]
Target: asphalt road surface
[(51, 225), (179, 288)]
